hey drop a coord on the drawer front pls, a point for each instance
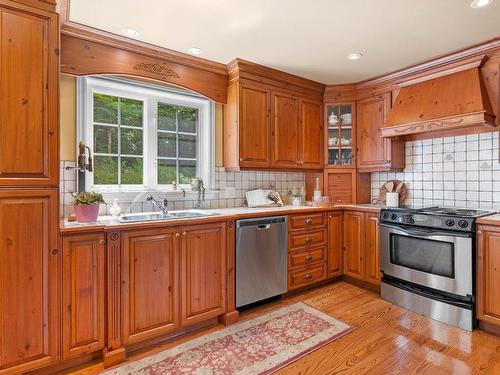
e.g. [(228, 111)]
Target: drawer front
[(306, 221), (305, 258), (310, 238), (308, 276)]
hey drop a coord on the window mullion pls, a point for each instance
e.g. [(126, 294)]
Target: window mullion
[(119, 144)]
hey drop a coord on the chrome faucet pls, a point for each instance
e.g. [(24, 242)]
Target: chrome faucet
[(163, 206)]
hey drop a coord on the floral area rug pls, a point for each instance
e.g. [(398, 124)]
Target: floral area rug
[(261, 346)]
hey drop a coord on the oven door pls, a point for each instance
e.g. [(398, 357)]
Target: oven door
[(432, 258)]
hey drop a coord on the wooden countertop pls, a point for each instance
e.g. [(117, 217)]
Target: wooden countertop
[(489, 220), (109, 223)]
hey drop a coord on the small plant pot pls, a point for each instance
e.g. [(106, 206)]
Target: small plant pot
[(86, 213)]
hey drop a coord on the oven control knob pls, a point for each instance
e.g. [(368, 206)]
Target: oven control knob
[(450, 222), (385, 215), (463, 223), (394, 217)]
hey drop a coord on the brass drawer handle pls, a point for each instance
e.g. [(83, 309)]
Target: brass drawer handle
[(308, 240), (309, 221), (101, 242), (309, 258), (308, 276)]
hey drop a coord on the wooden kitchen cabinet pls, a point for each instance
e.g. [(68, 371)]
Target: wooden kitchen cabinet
[(334, 244), (310, 134), (29, 279), (284, 131), (203, 265), (150, 287), (372, 262), (254, 123), (83, 294), (354, 244), (29, 76), (488, 274), (374, 153)]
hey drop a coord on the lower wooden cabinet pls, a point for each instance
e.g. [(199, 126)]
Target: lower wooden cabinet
[(83, 294), (334, 244), (150, 287), (372, 262), (203, 264), (29, 279), (488, 274), (354, 244)]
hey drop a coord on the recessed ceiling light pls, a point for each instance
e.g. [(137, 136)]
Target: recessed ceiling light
[(480, 3), (130, 32), (354, 56), (194, 51)]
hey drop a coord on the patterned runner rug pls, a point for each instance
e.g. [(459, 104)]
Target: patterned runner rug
[(258, 346)]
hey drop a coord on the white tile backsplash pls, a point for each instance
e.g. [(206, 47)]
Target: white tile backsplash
[(454, 171), (214, 198)]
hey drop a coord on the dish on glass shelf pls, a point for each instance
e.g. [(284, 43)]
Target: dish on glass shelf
[(333, 141), (346, 118)]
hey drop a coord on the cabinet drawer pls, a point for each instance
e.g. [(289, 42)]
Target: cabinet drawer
[(305, 258), (311, 275), (310, 238), (306, 221)]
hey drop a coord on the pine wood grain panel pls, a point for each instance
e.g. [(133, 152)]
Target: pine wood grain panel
[(284, 131), (334, 244), (354, 244), (83, 328), (150, 286), (29, 90), (307, 276), (298, 222), (339, 186), (311, 154), (29, 279), (203, 272), (372, 264), (304, 258), (306, 239), (254, 126)]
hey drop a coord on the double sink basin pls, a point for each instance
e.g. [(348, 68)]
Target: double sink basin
[(172, 215)]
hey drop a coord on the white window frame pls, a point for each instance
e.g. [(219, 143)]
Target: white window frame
[(150, 94)]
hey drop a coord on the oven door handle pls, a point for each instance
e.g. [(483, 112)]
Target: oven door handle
[(422, 232)]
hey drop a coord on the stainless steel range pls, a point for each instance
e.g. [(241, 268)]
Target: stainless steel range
[(427, 257)]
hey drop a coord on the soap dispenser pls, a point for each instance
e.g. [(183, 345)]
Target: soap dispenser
[(115, 209)]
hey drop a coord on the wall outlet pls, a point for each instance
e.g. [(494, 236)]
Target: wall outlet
[(228, 193)]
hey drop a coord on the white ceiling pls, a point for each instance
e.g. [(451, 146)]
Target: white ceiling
[(308, 38)]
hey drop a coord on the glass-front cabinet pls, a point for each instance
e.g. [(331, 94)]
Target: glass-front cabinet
[(339, 119)]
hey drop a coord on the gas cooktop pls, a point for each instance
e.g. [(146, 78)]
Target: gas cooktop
[(447, 218)]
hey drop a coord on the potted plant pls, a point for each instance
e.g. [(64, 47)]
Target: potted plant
[(87, 206)]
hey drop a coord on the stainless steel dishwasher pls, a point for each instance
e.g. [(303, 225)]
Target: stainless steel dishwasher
[(261, 259)]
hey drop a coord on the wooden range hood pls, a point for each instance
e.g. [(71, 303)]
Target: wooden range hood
[(451, 102)]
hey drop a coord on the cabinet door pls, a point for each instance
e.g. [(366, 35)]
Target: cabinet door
[(372, 249), (203, 264), (354, 244), (29, 97), (29, 277), (488, 275), (374, 152), (334, 244), (150, 287), (285, 123), (310, 135), (83, 294), (339, 186), (254, 126)]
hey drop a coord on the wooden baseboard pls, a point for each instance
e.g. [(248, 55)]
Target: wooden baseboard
[(114, 357), (229, 318), (490, 328), (361, 283)]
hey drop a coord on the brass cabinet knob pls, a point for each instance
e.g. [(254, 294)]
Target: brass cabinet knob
[(309, 258), (308, 240), (184, 233), (308, 276), (101, 242), (308, 221), (177, 234)]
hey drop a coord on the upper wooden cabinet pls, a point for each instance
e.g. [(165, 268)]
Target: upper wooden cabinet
[(29, 280), (375, 153), (272, 120), (83, 290), (488, 274), (203, 265), (29, 78), (254, 115)]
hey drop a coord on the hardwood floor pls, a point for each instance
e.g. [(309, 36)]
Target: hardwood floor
[(388, 339)]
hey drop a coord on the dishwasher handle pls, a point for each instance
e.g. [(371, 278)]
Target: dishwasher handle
[(263, 226)]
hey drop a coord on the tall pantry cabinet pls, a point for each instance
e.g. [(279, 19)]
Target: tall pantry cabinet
[(29, 176)]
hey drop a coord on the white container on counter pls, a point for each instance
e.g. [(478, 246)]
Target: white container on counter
[(392, 199)]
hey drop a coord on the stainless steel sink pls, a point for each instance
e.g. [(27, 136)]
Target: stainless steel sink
[(172, 215)]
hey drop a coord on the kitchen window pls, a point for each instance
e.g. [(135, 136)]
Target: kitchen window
[(144, 137)]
